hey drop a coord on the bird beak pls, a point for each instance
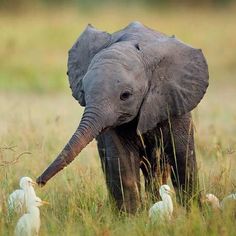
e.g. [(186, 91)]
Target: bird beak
[(45, 203), (33, 183), (171, 192)]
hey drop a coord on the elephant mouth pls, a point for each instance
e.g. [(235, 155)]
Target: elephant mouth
[(124, 118), (105, 129)]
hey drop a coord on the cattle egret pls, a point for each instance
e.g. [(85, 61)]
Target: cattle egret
[(215, 202), (162, 210), (29, 223), (212, 200), (227, 199), (17, 200)]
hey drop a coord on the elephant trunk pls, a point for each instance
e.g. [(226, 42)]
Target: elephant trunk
[(90, 126)]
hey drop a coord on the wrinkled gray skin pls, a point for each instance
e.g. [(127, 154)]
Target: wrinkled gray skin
[(138, 87)]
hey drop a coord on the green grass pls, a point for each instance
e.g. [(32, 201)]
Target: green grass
[(38, 115), (41, 125)]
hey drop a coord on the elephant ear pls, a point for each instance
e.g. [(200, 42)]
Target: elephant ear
[(178, 79), (90, 42)]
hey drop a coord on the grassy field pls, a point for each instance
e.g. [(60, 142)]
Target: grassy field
[(35, 119)]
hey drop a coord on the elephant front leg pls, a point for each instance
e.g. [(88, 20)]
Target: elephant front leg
[(183, 160), (123, 183), (184, 179), (154, 165), (121, 169)]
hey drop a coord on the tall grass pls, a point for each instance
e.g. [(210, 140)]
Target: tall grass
[(38, 115), (41, 124)]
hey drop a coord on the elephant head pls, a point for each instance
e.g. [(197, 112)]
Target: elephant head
[(133, 73)]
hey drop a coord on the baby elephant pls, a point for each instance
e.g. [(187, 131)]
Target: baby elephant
[(138, 87)]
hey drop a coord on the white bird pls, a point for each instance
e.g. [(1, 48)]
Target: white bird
[(231, 197), (29, 223), (215, 202), (17, 200), (162, 210)]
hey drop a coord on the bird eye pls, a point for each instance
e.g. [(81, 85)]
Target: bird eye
[(125, 95)]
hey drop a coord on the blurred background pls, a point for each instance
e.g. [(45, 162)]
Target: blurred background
[(36, 34)]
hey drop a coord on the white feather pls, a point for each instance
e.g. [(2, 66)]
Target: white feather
[(215, 202), (162, 210), (17, 199), (29, 223)]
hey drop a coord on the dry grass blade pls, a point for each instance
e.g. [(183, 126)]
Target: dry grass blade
[(12, 162), (11, 148)]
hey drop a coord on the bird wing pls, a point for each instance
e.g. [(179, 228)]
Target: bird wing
[(155, 209), (16, 201), (159, 211)]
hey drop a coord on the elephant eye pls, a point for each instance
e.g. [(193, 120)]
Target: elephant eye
[(125, 95)]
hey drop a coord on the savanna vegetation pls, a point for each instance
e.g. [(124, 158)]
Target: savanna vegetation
[(38, 115)]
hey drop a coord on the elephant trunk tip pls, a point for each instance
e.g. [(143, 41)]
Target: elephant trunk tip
[(88, 129), (40, 182)]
